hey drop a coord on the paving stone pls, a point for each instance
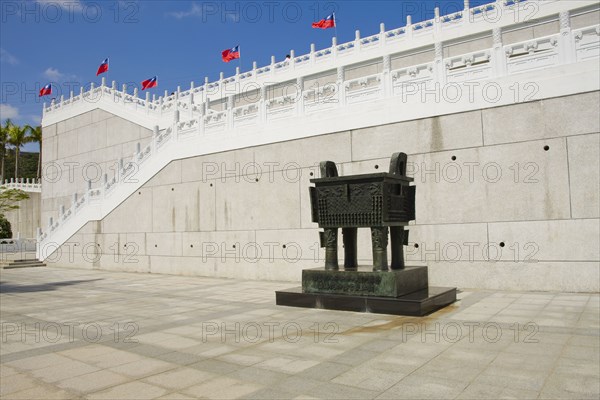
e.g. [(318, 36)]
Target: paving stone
[(176, 396), (259, 376), (85, 352), (131, 390), (571, 386), (222, 388), (330, 390), (179, 358), (63, 371), (269, 393), (41, 392), (370, 356), (143, 367), (113, 359), (354, 357), (216, 366), (286, 364), (179, 378), (149, 350), (92, 382), (6, 371), (16, 383), (478, 392), (424, 387), (325, 371), (39, 362)]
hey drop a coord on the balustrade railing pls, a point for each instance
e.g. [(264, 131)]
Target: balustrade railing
[(553, 50), (157, 107), (24, 184)]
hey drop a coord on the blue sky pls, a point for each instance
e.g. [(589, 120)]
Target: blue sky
[(64, 41)]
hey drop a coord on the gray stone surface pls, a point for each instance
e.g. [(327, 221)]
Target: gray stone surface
[(502, 187), (198, 337), (84, 147), (25, 220), (584, 162)]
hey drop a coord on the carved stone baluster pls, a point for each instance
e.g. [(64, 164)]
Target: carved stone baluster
[(566, 50), (438, 65), (387, 76), (499, 57), (341, 85), (300, 95)]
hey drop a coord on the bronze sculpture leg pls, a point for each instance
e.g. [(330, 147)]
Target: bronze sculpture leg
[(379, 241), (397, 239), (349, 238), (331, 251)]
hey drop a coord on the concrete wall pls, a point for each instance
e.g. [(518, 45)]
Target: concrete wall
[(507, 198), (25, 220), (83, 148)]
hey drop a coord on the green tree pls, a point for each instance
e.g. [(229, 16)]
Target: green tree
[(9, 199), (27, 163), (35, 135), (4, 141), (5, 228), (17, 137)]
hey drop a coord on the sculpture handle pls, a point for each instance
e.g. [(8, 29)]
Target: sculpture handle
[(398, 164), (328, 169)]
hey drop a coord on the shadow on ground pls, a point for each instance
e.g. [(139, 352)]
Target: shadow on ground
[(12, 288)]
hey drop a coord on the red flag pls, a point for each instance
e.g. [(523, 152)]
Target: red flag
[(231, 54), (46, 90), (103, 67), (328, 22), (150, 83)]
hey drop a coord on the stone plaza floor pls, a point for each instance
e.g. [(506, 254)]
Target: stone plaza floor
[(87, 334)]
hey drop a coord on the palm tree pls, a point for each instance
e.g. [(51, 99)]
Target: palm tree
[(35, 135), (3, 142), (17, 137)]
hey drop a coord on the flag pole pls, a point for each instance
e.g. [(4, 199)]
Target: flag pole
[(335, 27), (240, 59)]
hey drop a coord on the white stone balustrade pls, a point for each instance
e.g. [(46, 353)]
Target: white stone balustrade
[(441, 28), (199, 120), (26, 185)]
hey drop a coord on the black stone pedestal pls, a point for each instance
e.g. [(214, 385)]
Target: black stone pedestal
[(397, 292), (363, 281), (417, 304)]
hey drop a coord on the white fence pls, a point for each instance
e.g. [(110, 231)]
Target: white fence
[(26, 185), (568, 46)]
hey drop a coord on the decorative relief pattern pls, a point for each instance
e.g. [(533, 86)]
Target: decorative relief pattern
[(439, 50), (387, 62), (565, 19), (330, 237), (379, 237), (497, 33)]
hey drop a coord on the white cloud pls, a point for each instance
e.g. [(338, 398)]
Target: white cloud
[(233, 16), (36, 119), (194, 11), (206, 10), (8, 111), (69, 5), (6, 57), (53, 74)]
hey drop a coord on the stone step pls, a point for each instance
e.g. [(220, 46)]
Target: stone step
[(21, 264)]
